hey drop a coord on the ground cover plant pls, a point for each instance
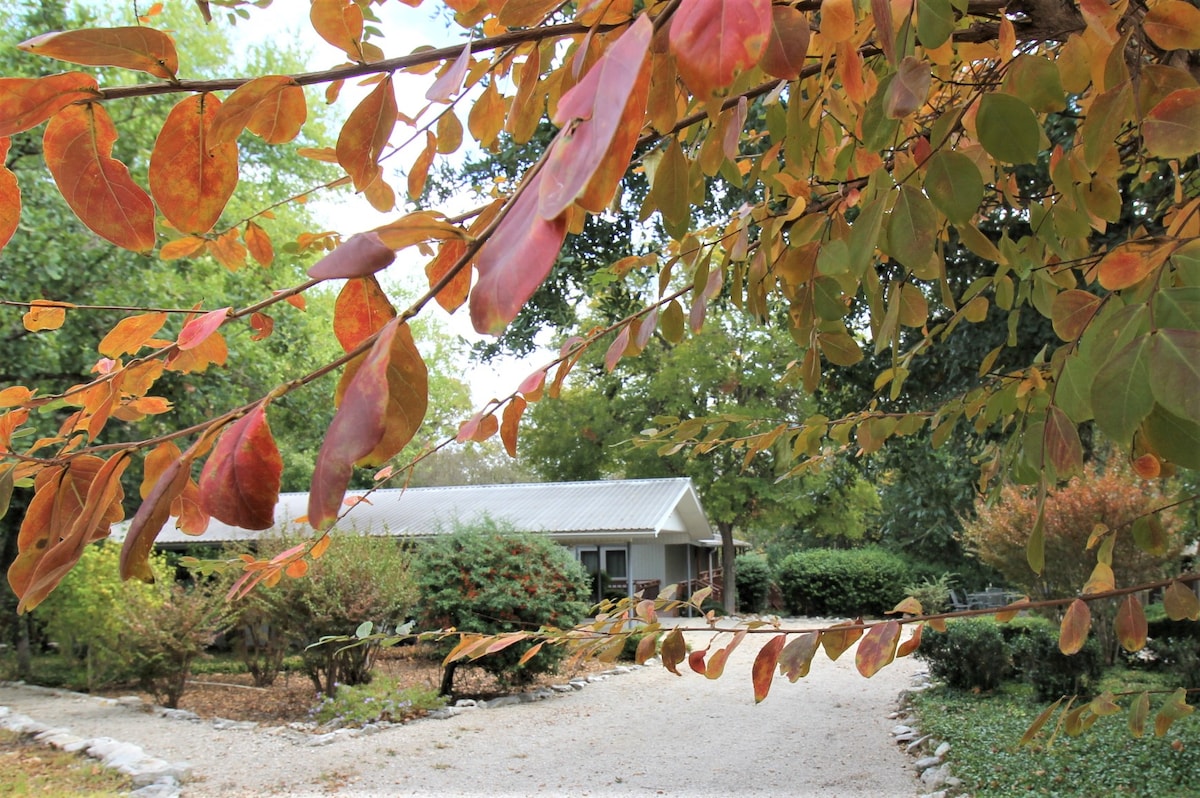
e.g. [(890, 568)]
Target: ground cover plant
[(30, 768)]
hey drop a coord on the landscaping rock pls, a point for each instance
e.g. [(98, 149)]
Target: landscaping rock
[(935, 777), (942, 750), (924, 763), (222, 724), (901, 729)]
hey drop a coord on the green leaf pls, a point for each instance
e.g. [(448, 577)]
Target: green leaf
[(1035, 549), (1036, 81), (864, 235), (954, 185), (1008, 128), (1172, 128), (364, 629), (1175, 371), (1073, 389), (935, 22), (1173, 438), (1150, 536), (1178, 307), (1121, 393), (912, 229)]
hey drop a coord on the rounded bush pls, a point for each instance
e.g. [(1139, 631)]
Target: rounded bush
[(1038, 661), (970, 655), (753, 582), (489, 581), (839, 582)]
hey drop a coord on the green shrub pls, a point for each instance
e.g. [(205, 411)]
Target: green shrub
[(381, 700), (489, 580), (753, 582), (1039, 662), (969, 655), (933, 593), (840, 582), (1173, 646)]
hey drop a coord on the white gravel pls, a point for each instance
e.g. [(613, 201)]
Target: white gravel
[(647, 732)]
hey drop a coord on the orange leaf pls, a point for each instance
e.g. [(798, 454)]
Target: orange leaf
[(837, 20), (43, 315), (182, 248), (263, 325), (673, 651), (764, 666), (1172, 127), (360, 311), (140, 48), (150, 517), (696, 660), (1173, 25), (258, 243), (365, 134), (190, 177), (714, 41), (877, 648), (272, 106), (909, 606), (911, 644), (1072, 311), (453, 293), (420, 168), (28, 102), (839, 637), (1129, 264), (10, 195), (339, 22), (211, 349), (1131, 624), (716, 663), (796, 657), (228, 251), (78, 150), (361, 255), (15, 395), (380, 412), (510, 424), (131, 334), (240, 481), (296, 568), (197, 331), (1075, 626)]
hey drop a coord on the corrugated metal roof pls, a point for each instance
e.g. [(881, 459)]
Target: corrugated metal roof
[(641, 508)]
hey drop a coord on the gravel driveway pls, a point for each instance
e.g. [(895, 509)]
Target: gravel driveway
[(647, 732)]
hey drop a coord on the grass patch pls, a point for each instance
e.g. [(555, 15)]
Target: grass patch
[(28, 768), (983, 731)]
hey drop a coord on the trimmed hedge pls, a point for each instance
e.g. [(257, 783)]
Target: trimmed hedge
[(753, 583), (970, 655), (841, 582)]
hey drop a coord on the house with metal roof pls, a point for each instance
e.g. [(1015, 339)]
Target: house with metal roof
[(642, 534)]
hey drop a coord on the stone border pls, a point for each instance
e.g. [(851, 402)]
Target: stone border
[(934, 771)]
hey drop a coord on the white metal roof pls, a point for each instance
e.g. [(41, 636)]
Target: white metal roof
[(571, 512)]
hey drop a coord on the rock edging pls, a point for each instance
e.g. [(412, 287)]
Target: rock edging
[(930, 754)]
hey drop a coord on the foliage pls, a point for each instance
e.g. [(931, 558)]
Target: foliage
[(381, 700), (1173, 647), (753, 583), (86, 616), (969, 655), (1036, 655), (489, 580), (164, 636), (840, 582), (932, 593), (983, 732)]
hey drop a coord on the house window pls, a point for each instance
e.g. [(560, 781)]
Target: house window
[(613, 560)]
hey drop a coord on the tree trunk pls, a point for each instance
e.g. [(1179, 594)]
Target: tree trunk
[(728, 572), (447, 688)]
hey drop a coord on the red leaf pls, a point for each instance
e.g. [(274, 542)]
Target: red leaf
[(1075, 625), (696, 660), (140, 48), (713, 41), (361, 310), (263, 325), (150, 517), (763, 671), (358, 256), (877, 648), (380, 412), (190, 177), (515, 261), (593, 113), (240, 482), (450, 82), (198, 330), (272, 106), (28, 102), (1131, 624), (911, 644), (787, 47), (78, 150), (365, 134)]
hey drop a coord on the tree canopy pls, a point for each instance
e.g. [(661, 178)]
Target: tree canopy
[(871, 143)]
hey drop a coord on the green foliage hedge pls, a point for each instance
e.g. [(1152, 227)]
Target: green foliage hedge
[(842, 582), (970, 654), (753, 582)]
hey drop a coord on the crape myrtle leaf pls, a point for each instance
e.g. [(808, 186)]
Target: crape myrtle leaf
[(28, 102), (909, 606), (1038, 722), (837, 20), (1131, 624), (1071, 311), (240, 481), (1175, 371), (515, 261), (272, 106), (646, 648), (530, 653), (182, 248), (192, 179), (339, 22), (360, 310), (1173, 709), (1173, 25), (935, 22), (907, 91), (1139, 711), (154, 511), (1173, 438), (1180, 602), (673, 651), (912, 228), (1172, 128), (911, 644), (258, 243), (140, 48), (1007, 128), (511, 423), (99, 510), (485, 120), (839, 637), (763, 671), (465, 644), (716, 663), (131, 334), (592, 113), (787, 44), (714, 41), (1037, 81), (1035, 549), (696, 660), (44, 315), (1128, 265), (228, 251), (365, 134), (796, 657), (453, 294), (524, 13), (262, 325), (417, 228), (1073, 632), (380, 412), (1121, 393), (1062, 446), (360, 255), (954, 185), (877, 648), (419, 172), (78, 149), (1011, 610), (199, 329), (450, 82), (10, 194)]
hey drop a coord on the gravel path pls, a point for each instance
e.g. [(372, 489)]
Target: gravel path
[(647, 732)]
